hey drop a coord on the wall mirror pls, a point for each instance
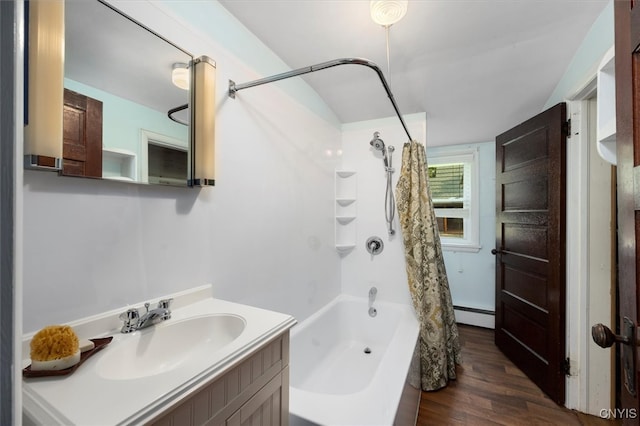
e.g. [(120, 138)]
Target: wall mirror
[(118, 92)]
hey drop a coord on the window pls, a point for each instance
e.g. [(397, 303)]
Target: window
[(453, 181)]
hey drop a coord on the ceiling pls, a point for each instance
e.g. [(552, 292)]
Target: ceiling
[(476, 67), (103, 50)]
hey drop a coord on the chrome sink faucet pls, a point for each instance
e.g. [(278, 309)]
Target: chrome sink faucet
[(133, 321)]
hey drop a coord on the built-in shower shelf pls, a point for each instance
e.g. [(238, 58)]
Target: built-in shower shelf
[(345, 248), (345, 201), (343, 220), (345, 210)]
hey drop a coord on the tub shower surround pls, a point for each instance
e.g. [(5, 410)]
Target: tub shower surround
[(348, 367)]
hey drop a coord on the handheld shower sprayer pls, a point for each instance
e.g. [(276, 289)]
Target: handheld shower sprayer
[(390, 150), (389, 201)]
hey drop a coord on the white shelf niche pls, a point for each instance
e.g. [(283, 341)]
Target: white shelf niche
[(119, 164), (345, 211), (606, 107)]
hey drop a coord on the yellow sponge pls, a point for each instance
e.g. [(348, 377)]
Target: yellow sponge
[(55, 347)]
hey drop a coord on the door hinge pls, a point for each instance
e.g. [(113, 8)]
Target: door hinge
[(566, 128), (565, 366)]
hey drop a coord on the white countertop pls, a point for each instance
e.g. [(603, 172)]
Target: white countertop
[(87, 398)]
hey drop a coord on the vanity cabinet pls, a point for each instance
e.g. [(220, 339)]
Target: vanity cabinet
[(253, 391), (221, 373)]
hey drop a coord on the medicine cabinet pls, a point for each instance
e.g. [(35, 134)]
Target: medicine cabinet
[(127, 78)]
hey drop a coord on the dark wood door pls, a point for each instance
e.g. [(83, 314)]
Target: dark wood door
[(627, 40), (82, 130), (530, 248)]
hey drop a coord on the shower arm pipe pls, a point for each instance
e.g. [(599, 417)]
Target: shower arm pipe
[(233, 87)]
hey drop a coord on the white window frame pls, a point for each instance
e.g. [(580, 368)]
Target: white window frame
[(471, 202), (148, 137)]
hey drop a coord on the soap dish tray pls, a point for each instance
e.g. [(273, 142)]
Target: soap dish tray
[(99, 344)]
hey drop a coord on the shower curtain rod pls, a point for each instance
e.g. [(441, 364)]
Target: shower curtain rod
[(233, 87)]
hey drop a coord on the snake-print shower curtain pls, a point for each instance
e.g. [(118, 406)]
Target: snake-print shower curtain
[(428, 284)]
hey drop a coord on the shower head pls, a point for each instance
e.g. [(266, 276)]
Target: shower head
[(377, 143)]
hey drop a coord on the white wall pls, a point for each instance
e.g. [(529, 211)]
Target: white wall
[(472, 275), (585, 61), (263, 235), (386, 271)]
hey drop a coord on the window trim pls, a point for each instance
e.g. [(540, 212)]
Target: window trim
[(471, 243)]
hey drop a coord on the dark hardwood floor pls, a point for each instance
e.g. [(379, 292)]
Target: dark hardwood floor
[(490, 390)]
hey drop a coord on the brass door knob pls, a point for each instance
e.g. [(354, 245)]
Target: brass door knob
[(605, 338)]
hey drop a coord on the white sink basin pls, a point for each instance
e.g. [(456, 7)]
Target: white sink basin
[(165, 346)]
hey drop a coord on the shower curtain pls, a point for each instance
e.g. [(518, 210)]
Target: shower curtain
[(439, 347)]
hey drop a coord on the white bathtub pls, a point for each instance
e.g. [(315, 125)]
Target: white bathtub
[(334, 382)]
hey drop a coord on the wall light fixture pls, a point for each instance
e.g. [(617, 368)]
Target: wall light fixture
[(203, 101), (44, 86), (180, 75)]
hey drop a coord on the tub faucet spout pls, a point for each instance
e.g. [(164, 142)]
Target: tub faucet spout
[(372, 296)]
